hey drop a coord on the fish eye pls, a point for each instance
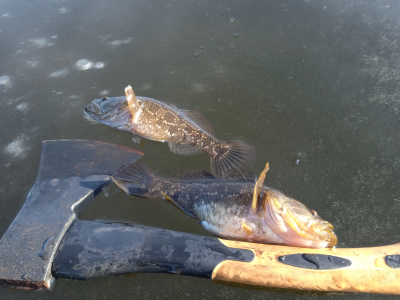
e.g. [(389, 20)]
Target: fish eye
[(314, 213), (104, 99)]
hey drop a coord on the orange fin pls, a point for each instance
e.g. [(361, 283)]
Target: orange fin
[(167, 198), (247, 228), (257, 188)]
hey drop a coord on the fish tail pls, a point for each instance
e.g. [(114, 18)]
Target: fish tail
[(232, 157), (135, 179)]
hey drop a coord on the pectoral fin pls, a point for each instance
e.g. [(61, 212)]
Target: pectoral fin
[(257, 188), (183, 209), (247, 228), (167, 198)]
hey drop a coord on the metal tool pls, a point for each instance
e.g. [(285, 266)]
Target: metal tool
[(45, 241), (71, 172)]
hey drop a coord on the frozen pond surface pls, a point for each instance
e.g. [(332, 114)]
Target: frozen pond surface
[(313, 85)]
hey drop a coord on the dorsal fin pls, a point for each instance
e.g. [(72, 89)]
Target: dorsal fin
[(194, 175), (170, 105), (199, 119), (257, 188), (132, 100)]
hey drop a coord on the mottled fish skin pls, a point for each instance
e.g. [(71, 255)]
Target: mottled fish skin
[(159, 121), (225, 207), (221, 205), (187, 132)]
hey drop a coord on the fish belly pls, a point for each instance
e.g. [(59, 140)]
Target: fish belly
[(236, 223)]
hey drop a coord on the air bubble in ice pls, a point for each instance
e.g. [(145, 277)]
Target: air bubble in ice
[(5, 81), (59, 73), (16, 148), (298, 157), (84, 64), (41, 42), (22, 106), (63, 10), (99, 65)]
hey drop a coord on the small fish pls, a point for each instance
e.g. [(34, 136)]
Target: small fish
[(233, 208), (186, 131)]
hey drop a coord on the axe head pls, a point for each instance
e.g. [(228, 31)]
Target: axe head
[(71, 173)]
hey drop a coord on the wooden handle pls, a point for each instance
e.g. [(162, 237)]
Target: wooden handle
[(367, 273)]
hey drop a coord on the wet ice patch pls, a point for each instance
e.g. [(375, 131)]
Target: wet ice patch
[(5, 81), (17, 148), (84, 64), (104, 93), (54, 36), (22, 106), (99, 65), (6, 15), (59, 73)]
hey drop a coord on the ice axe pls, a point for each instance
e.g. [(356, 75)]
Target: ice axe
[(46, 241)]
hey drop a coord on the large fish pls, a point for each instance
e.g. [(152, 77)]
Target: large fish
[(186, 131), (232, 208)]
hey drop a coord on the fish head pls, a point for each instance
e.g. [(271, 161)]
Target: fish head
[(113, 112), (295, 223)]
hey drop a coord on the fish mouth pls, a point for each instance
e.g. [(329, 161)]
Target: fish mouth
[(113, 112), (295, 224), (107, 108), (95, 110)]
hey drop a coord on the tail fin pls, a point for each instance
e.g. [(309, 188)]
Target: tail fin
[(134, 179), (232, 157)]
